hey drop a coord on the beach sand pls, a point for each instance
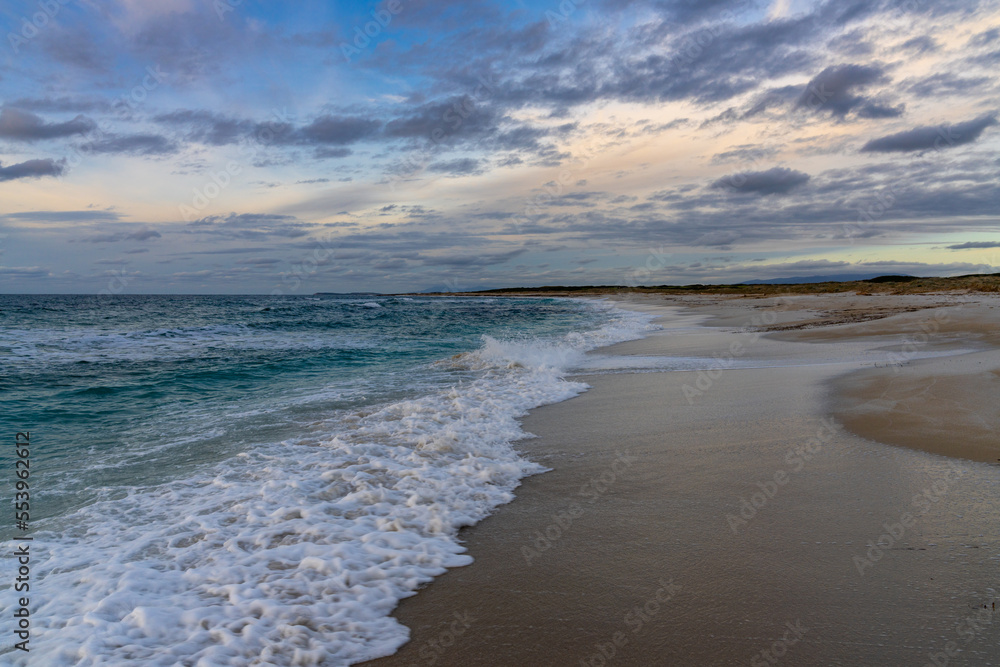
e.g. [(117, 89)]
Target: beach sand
[(753, 510)]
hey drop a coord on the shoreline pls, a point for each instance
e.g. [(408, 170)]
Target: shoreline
[(636, 517)]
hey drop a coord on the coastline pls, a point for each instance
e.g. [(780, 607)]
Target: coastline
[(641, 545)]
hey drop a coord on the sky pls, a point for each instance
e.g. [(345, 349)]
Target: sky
[(241, 146)]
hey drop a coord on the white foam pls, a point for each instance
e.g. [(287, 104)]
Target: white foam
[(297, 553)]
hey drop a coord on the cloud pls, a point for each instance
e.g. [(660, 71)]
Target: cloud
[(77, 47), (469, 259), (251, 226), (89, 215), (943, 84), (143, 235), (834, 88), (207, 127), (687, 11), (936, 137), (61, 104), (985, 38), (32, 169), (921, 44), (133, 144), (875, 110), (744, 153), (115, 237), (460, 115), (778, 180), (324, 152), (339, 130), (215, 129), (718, 238), (567, 92), (460, 167), (975, 245), (25, 271), (20, 125)]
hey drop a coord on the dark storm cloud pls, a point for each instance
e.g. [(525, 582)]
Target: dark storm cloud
[(20, 125), (133, 144), (32, 169), (932, 137), (778, 180)]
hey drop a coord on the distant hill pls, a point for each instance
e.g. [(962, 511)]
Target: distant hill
[(898, 284), (450, 289), (843, 277)]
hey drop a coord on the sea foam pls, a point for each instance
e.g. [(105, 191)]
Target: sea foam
[(297, 552)]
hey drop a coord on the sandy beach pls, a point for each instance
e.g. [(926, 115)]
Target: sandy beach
[(807, 480)]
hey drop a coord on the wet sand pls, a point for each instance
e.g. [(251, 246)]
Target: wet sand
[(723, 515), (948, 405)]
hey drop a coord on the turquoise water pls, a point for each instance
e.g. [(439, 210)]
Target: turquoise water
[(137, 389), (206, 470)]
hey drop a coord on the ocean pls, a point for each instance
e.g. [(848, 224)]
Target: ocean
[(237, 480)]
